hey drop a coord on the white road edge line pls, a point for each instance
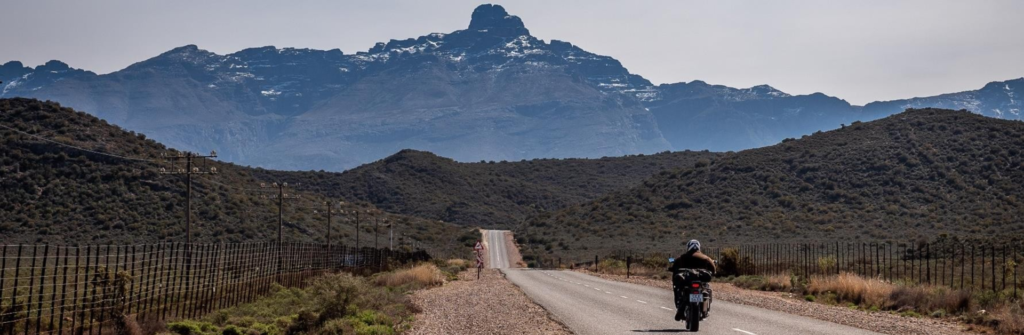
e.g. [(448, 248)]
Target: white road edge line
[(666, 308), (623, 297), (641, 301), (743, 331)]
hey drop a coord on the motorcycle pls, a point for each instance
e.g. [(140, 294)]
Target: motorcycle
[(692, 295)]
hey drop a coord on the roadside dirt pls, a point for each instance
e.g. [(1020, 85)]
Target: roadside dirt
[(515, 259), (882, 322), (491, 305)]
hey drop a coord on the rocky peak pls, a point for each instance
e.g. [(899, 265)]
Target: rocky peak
[(54, 65), (495, 20), (767, 91), (13, 64), (189, 54)]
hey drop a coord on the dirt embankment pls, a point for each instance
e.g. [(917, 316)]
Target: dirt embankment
[(515, 259)]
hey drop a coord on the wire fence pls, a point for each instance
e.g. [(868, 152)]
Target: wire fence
[(96, 288), (954, 264)]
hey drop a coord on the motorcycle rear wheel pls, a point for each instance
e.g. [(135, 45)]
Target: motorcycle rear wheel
[(693, 318)]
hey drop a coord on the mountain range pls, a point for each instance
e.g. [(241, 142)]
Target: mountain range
[(489, 92)]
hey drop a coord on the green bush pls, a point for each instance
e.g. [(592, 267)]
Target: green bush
[(231, 330), (190, 327), (728, 264)]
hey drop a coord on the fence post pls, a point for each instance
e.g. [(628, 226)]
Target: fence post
[(992, 250), (85, 288), (149, 272), (209, 278), (1003, 266), (62, 294), (74, 294), (104, 311), (248, 254), (53, 295), (157, 281), (3, 272), (196, 296), (31, 280), (973, 283), (943, 267), (170, 279), (928, 261), (963, 264), (889, 264), (629, 259)]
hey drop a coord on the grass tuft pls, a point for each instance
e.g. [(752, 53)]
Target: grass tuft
[(420, 276)]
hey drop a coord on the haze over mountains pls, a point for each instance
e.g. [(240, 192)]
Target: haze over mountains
[(489, 92)]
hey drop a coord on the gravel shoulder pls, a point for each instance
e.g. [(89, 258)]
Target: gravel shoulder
[(881, 322), (515, 259), (491, 305)]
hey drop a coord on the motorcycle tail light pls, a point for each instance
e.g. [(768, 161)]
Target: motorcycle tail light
[(695, 285), (696, 292)]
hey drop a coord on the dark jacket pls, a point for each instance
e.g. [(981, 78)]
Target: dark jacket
[(694, 260)]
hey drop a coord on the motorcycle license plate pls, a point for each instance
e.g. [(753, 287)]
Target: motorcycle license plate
[(696, 298)]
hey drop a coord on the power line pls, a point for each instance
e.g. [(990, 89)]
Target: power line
[(76, 147), (239, 188), (188, 171)]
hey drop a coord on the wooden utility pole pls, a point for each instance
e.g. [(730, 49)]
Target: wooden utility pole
[(328, 203), (281, 196), (280, 221), (376, 225), (188, 170)]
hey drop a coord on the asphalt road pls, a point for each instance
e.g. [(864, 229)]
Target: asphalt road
[(496, 249), (591, 305)]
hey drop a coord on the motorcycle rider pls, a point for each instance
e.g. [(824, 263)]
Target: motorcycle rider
[(693, 259)]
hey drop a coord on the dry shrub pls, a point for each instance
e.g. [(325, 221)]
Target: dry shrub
[(151, 324), (853, 288), (908, 297), (929, 299), (126, 325), (778, 282), (423, 275), (458, 262), (1010, 318), (612, 266)]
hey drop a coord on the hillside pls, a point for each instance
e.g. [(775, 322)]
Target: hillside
[(488, 194), (915, 174), (55, 193)]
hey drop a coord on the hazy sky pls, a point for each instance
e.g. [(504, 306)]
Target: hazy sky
[(860, 51)]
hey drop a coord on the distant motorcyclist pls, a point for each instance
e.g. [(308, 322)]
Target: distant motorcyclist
[(692, 259)]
